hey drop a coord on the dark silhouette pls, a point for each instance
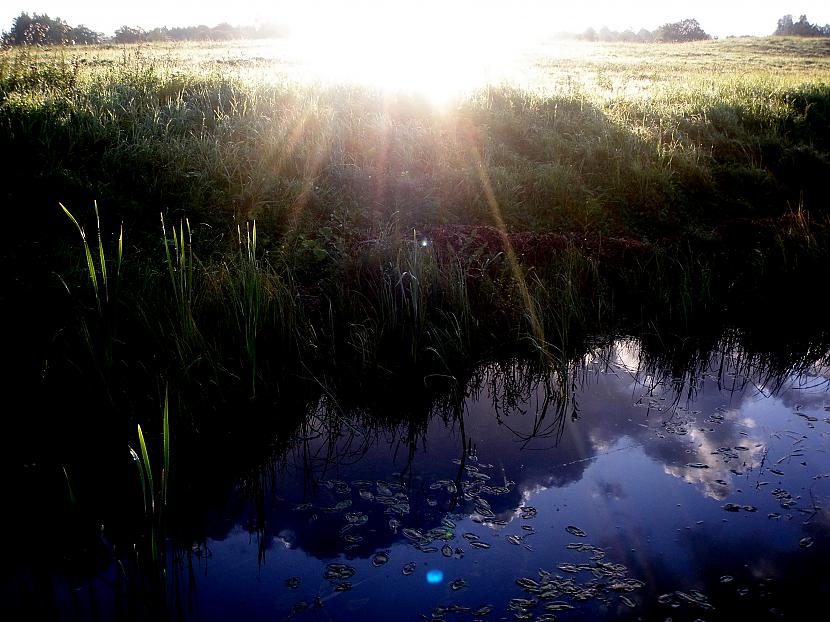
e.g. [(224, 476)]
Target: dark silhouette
[(44, 30), (801, 28), (678, 32)]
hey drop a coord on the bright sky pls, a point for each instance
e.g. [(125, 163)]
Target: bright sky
[(717, 17)]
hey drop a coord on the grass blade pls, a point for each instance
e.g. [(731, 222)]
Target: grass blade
[(146, 460)]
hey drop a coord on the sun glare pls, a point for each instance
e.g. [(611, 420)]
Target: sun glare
[(438, 51)]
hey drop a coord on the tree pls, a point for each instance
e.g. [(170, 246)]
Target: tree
[(680, 32), (85, 36), (801, 28), (645, 36), (128, 34), (785, 26), (37, 30)]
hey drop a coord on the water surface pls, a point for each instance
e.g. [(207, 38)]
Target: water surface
[(637, 497), (616, 493)]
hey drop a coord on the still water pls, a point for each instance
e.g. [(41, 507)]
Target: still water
[(616, 493)]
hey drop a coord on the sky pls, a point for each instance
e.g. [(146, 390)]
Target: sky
[(717, 17)]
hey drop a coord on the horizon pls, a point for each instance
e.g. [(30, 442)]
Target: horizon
[(533, 17)]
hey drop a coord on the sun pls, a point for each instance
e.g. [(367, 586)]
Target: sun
[(439, 50)]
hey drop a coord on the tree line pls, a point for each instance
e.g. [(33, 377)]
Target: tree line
[(690, 30), (801, 28), (676, 32), (38, 29), (44, 30)]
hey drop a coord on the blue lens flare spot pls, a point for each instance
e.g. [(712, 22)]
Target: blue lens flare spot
[(435, 576)]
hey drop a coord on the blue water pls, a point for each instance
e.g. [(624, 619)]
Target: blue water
[(634, 496)]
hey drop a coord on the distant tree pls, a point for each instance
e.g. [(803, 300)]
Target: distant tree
[(589, 35), (37, 30), (627, 36), (785, 26), (680, 32), (81, 35), (801, 28), (128, 34), (645, 36)]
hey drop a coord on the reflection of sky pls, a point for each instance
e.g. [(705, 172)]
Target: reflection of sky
[(620, 472)]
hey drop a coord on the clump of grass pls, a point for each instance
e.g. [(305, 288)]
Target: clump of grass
[(180, 263), (97, 267), (154, 498)]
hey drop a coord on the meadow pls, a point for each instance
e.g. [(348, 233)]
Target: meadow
[(224, 234), (306, 220)]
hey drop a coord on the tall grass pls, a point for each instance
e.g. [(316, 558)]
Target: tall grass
[(668, 149), (154, 498), (606, 142)]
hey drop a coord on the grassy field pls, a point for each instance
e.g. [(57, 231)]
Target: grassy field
[(322, 228)]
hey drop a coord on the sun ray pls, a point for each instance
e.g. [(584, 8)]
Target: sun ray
[(536, 327)]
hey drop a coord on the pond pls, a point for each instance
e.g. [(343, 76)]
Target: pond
[(613, 492)]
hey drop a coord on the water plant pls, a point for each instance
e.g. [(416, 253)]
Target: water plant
[(154, 497)]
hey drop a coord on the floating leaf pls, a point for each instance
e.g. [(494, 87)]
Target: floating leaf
[(380, 559), (627, 602), (458, 584), (697, 465), (479, 545), (575, 531), (528, 584), (446, 550), (338, 571), (408, 568), (356, 518), (412, 534), (805, 542), (292, 582)]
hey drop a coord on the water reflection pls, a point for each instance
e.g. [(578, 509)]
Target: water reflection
[(611, 491), (620, 487)]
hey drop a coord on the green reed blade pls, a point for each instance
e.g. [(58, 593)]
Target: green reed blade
[(165, 474), (146, 460)]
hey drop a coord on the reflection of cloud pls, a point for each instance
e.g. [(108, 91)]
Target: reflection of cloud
[(610, 490), (703, 479), (714, 428)]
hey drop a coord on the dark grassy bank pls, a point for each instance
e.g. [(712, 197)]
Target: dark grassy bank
[(630, 191)]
